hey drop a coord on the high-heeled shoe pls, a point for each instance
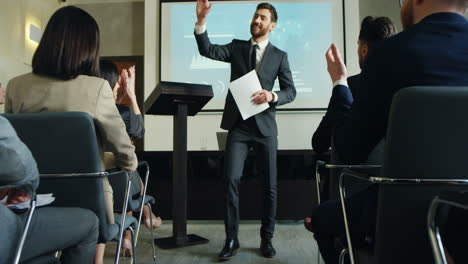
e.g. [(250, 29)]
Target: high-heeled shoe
[(157, 221), (126, 247)]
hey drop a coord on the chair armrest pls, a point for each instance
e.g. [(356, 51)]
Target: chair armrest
[(73, 175), (357, 166), (458, 199)]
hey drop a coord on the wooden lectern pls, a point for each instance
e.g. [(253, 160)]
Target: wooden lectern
[(179, 100)]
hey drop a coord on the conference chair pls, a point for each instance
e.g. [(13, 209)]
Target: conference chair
[(335, 167), (425, 153), (66, 150), (134, 205), (13, 240), (456, 218)]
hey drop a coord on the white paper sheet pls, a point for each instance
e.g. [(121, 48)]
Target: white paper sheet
[(242, 90)]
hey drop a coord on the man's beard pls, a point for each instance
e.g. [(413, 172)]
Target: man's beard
[(407, 18), (260, 33)]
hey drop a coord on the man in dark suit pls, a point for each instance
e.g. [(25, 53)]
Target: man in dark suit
[(259, 131), (373, 30), (431, 51)]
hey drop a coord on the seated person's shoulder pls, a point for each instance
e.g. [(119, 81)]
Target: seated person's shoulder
[(91, 80)]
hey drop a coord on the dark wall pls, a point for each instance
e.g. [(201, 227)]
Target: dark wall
[(296, 185)]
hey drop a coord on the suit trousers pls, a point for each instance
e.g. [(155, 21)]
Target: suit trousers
[(72, 230), (241, 137), (328, 223)]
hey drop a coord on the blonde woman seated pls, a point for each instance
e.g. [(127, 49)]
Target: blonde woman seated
[(65, 77)]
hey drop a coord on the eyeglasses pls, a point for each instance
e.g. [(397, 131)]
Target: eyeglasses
[(401, 3)]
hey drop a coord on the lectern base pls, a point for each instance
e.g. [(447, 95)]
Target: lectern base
[(172, 242)]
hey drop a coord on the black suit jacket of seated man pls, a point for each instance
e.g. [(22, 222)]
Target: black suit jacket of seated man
[(321, 140), (419, 56), (432, 52)]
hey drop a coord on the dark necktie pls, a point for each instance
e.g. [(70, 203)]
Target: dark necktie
[(253, 57)]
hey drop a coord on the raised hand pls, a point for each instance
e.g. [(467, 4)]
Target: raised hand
[(335, 65), (203, 8), (129, 77)]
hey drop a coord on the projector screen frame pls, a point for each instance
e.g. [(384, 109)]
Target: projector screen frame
[(319, 109)]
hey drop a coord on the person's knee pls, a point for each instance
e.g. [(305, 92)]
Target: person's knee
[(90, 223)]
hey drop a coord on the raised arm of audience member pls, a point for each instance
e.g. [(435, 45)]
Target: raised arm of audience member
[(121, 86), (124, 85), (373, 30), (136, 128)]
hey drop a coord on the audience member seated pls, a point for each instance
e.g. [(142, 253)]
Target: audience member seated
[(65, 77), (121, 86), (74, 231), (431, 51), (373, 30)]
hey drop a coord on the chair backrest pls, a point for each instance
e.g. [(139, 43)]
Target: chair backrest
[(427, 133), (426, 138), (65, 143), (61, 142)]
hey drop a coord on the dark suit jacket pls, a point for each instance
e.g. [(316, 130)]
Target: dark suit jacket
[(433, 52), (274, 64), (321, 140)]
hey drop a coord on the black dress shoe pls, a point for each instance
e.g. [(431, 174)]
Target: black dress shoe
[(267, 249), (230, 249)]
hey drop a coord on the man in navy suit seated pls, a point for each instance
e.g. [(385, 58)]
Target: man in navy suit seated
[(373, 30), (431, 51)]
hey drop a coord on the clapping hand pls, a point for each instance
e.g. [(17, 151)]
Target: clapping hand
[(335, 65), (127, 84)]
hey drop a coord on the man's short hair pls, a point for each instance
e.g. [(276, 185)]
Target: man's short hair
[(274, 15), (376, 29)]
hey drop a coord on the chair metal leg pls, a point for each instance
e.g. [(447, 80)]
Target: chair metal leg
[(142, 202), (25, 232), (343, 254), (343, 207), (133, 244), (317, 184), (124, 214), (152, 234), (317, 179), (434, 234), (139, 219)]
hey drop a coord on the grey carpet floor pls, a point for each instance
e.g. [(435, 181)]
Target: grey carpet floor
[(293, 243)]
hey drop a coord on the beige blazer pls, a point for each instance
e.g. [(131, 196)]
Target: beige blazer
[(31, 93)]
